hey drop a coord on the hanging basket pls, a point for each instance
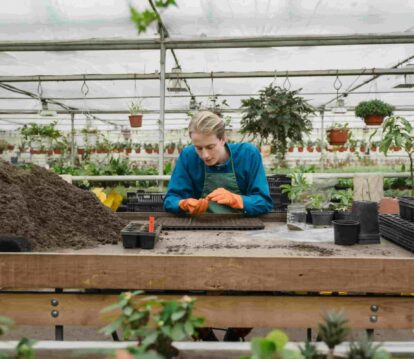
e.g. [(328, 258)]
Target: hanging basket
[(337, 136), (374, 120), (135, 120)]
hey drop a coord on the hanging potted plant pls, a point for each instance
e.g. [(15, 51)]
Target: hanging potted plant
[(135, 110), (373, 111), (276, 116), (338, 134)]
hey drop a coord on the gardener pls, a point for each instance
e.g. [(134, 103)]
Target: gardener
[(217, 177)]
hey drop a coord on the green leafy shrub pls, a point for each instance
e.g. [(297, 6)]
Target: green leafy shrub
[(373, 107)]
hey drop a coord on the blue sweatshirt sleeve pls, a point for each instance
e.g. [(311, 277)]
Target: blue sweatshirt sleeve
[(256, 195), (180, 185)]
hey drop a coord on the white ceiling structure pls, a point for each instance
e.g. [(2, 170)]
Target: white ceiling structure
[(24, 21)]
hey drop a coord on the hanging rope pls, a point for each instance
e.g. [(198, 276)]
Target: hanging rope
[(39, 90), (337, 85), (286, 84), (275, 79)]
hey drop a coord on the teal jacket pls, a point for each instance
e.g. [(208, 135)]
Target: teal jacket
[(187, 179)]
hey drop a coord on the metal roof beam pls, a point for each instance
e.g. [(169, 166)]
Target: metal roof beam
[(209, 75), (208, 43)]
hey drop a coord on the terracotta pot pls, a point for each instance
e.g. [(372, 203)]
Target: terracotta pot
[(148, 150), (374, 120), (318, 149), (362, 149), (81, 151), (291, 149), (338, 136), (128, 150), (57, 152), (352, 149), (342, 149), (10, 147), (170, 151), (374, 149), (396, 149), (309, 149), (137, 150), (300, 149), (135, 120), (389, 205), (102, 151)]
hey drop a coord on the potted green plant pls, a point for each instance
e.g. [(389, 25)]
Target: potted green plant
[(170, 148), (148, 148), (373, 111), (342, 203), (128, 147), (135, 116), (310, 145), (137, 148), (397, 131), (337, 133), (297, 192), (276, 116), (103, 146), (363, 146), (320, 209)]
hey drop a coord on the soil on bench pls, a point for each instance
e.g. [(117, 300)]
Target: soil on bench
[(39, 205)]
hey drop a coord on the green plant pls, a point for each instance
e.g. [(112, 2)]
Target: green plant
[(373, 107), (3, 145), (296, 191), (276, 116), (397, 131), (24, 348), (333, 330), (43, 131), (216, 106), (343, 200), (272, 346), (142, 19), (135, 107), (153, 322), (309, 351), (318, 201), (338, 126), (365, 349)]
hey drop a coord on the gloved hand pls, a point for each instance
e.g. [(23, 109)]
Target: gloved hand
[(222, 196), (194, 206)]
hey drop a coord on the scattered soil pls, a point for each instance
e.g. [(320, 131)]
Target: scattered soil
[(39, 205)]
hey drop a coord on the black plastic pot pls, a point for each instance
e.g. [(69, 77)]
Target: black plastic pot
[(136, 235), (11, 243), (309, 215), (322, 218), (130, 240), (345, 232), (366, 213)]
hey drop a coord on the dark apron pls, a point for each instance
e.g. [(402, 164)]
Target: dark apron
[(213, 181)]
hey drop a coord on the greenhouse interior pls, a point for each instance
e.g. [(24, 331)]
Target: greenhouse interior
[(176, 174)]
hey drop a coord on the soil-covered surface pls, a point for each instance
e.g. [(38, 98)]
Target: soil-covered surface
[(39, 205)]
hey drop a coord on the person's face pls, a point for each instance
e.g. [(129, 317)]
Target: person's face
[(210, 149)]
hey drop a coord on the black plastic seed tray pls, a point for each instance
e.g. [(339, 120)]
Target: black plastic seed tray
[(209, 223), (146, 202), (136, 235), (397, 230), (275, 181), (407, 208)]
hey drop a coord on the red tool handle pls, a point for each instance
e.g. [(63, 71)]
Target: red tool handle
[(151, 224)]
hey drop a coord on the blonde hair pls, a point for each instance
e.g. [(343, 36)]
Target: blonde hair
[(207, 123)]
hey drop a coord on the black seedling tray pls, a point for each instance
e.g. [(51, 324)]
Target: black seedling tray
[(397, 230), (209, 223), (136, 235), (146, 202), (407, 208)]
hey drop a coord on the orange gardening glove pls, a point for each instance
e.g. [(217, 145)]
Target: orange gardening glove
[(222, 196), (194, 206)]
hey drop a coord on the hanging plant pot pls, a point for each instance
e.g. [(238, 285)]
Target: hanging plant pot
[(135, 120), (337, 136), (374, 120)]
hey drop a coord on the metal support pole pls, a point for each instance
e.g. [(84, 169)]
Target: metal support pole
[(72, 138), (162, 104), (322, 112)]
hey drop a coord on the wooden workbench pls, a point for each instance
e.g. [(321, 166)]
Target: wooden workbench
[(240, 279)]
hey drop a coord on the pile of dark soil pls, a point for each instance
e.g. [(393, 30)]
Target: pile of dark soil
[(39, 205)]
